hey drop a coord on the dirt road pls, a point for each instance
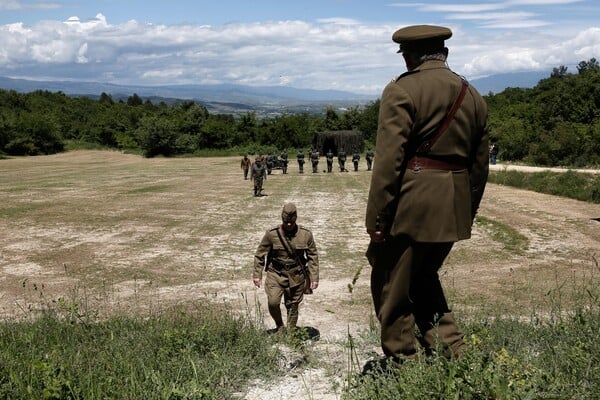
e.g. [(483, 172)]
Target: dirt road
[(117, 233)]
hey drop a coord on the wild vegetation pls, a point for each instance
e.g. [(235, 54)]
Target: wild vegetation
[(575, 185), (555, 123)]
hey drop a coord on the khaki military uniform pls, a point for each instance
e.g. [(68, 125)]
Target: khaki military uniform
[(245, 166), (284, 277), (258, 174), (423, 211)]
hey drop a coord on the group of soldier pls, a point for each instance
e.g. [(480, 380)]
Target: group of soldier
[(314, 157), (264, 165)]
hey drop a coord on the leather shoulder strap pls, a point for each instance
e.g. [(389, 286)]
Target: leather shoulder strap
[(426, 145), (289, 247)]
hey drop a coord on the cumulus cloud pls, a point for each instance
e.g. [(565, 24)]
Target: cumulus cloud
[(327, 54)]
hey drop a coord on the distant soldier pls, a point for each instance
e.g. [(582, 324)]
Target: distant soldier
[(494, 153), (329, 157), (288, 254), (314, 159), (284, 161), (258, 175), (355, 160), (270, 163), (369, 157), (300, 158), (342, 160), (245, 166)]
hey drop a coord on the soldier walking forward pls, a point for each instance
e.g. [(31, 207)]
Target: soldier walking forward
[(288, 254), (245, 166), (258, 175), (432, 151)]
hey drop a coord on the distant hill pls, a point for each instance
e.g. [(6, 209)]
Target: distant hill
[(229, 93), (497, 83), (240, 97)]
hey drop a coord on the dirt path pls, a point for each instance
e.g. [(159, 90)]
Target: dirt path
[(118, 233)]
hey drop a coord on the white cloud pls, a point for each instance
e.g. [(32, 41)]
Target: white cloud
[(333, 54)]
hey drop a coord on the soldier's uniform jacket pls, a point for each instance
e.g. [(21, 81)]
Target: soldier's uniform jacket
[(245, 164), (258, 171), (430, 205), (272, 253), (329, 156), (355, 157)]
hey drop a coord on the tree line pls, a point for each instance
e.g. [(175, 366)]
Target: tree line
[(555, 123)]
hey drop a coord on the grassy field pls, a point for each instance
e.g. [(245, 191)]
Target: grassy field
[(98, 243)]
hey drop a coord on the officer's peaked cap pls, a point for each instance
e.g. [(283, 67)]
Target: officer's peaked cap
[(421, 38)]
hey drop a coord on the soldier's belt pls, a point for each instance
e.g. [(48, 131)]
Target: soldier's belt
[(283, 267), (418, 163)]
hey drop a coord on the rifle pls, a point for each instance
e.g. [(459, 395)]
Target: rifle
[(289, 247)]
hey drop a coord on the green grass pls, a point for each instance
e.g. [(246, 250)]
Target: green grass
[(575, 185), (552, 355), (204, 353), (511, 240)]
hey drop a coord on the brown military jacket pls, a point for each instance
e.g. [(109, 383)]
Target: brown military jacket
[(245, 164), (271, 250), (429, 205)]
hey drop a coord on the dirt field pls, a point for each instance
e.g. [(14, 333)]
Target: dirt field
[(121, 234)]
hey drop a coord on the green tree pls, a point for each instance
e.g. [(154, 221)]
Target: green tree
[(37, 135), (156, 136)]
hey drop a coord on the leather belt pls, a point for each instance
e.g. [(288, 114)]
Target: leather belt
[(282, 267), (418, 163)]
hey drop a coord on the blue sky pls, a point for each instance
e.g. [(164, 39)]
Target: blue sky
[(326, 44)]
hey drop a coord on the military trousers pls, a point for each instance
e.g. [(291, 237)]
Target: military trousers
[(407, 293), (289, 285), (258, 185)]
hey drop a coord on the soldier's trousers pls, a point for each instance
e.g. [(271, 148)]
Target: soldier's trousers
[(277, 285), (329, 166), (258, 186), (407, 291), (315, 167)]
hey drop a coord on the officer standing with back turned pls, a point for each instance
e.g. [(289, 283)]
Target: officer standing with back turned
[(432, 168)]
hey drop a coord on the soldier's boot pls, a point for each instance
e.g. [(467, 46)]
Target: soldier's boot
[(255, 191), (445, 337)]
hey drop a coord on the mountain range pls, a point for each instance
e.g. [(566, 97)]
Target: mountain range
[(240, 98)]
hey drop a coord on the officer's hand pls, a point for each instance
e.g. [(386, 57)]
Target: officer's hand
[(314, 285), (257, 282), (377, 236)]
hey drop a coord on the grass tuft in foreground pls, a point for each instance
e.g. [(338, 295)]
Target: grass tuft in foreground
[(199, 354)]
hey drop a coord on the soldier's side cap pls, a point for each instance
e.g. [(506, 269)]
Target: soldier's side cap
[(421, 37), (289, 211)]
